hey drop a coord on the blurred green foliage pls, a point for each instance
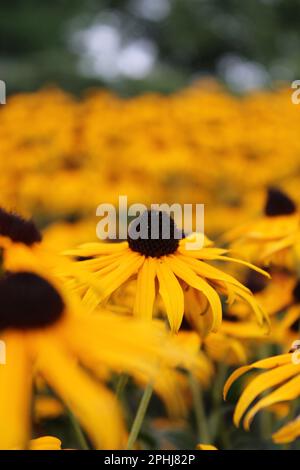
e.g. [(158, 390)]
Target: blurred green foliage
[(191, 39)]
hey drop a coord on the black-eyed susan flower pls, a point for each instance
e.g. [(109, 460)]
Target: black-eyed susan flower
[(21, 242), (46, 332), (279, 382), (184, 278), (269, 237)]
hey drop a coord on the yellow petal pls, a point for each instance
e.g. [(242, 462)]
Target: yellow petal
[(94, 249), (145, 290), (210, 272), (90, 300), (245, 263), (287, 433), (288, 391), (269, 363), (183, 271), (171, 293), (260, 384), (128, 266)]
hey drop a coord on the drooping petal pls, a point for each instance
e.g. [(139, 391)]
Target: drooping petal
[(145, 289), (288, 391), (261, 316), (198, 311), (171, 293), (210, 272), (262, 383), (269, 363), (244, 263), (184, 272)]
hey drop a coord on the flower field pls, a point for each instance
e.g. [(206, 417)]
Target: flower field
[(144, 344)]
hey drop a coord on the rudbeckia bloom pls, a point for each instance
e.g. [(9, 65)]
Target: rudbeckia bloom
[(268, 237), (46, 333), (182, 276), (21, 239), (279, 382)]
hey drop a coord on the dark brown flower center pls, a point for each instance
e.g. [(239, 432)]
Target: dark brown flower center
[(154, 234), (256, 282), (28, 301), (18, 229), (278, 203)]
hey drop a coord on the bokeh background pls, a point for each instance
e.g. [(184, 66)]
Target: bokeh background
[(135, 45)]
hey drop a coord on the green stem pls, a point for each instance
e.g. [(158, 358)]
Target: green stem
[(220, 430), (140, 415), (202, 425), (121, 384), (80, 437)]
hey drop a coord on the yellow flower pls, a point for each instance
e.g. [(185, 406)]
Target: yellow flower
[(182, 275), (268, 237), (21, 244), (46, 332), (279, 382)]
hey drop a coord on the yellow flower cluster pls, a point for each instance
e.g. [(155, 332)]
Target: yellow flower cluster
[(63, 157), (81, 318)]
